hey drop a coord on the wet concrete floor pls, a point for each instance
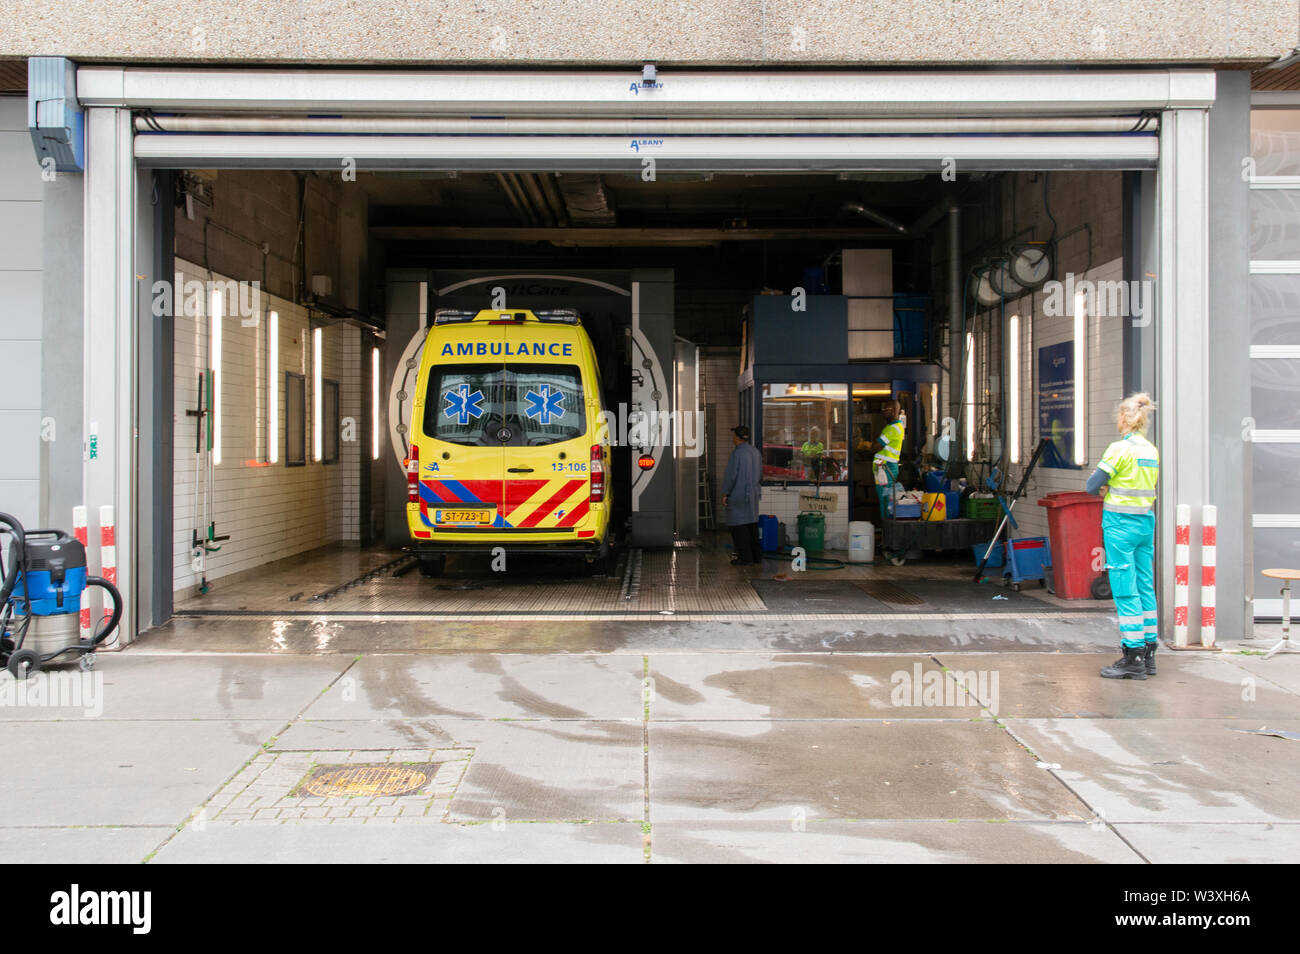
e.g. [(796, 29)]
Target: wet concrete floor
[(668, 756), (687, 711)]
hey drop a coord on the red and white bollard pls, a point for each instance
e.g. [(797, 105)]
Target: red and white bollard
[(1209, 557), (1182, 572), (79, 531), (107, 549)]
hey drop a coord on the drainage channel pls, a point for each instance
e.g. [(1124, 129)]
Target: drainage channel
[(632, 576), (399, 566)]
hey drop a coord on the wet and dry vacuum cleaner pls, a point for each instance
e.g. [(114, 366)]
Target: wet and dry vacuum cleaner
[(45, 584)]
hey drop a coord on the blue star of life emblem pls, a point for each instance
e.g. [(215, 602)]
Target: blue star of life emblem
[(545, 405), (462, 405)]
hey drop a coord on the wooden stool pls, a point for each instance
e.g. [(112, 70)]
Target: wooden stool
[(1286, 643)]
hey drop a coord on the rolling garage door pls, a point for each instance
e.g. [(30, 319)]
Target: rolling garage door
[(611, 122)]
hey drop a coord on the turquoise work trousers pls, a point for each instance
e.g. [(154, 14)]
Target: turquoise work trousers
[(1130, 559), (885, 494)]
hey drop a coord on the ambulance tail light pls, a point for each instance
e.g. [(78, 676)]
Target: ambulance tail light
[(413, 474), (597, 474)]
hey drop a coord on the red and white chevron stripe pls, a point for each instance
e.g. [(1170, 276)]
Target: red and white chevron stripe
[(1209, 557), (1182, 572), (79, 531)]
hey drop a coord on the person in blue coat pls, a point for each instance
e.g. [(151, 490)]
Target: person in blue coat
[(740, 491)]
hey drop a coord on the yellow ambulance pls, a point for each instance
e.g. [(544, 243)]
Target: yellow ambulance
[(506, 442)]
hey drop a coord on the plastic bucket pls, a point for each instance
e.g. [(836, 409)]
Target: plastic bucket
[(934, 507), (862, 541), (812, 532)]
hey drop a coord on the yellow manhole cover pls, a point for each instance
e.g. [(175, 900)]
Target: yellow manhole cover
[(351, 781)]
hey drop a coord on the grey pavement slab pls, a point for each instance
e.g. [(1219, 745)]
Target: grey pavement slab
[(1188, 686), (1240, 844), (1282, 670), (382, 842), (487, 686), (1184, 770), (96, 772), (887, 842), (94, 846), (358, 734), (730, 686), (848, 770), (550, 771), (740, 748), (194, 687)]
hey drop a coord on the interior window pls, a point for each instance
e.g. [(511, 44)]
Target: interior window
[(295, 420), (805, 432)]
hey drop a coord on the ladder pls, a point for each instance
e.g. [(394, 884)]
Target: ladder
[(704, 491)]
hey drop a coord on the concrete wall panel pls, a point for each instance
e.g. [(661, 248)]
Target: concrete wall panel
[(673, 31)]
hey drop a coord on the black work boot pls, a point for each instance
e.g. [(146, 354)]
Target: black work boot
[(1132, 666), (1149, 657)]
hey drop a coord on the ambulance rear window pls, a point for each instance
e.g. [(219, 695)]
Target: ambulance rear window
[(538, 404), (547, 399), (464, 403)]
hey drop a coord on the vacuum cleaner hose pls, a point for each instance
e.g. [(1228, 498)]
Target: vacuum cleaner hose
[(116, 597), (15, 565)]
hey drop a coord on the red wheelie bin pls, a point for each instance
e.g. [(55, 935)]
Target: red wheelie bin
[(1078, 555)]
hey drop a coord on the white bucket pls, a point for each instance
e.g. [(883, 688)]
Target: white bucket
[(862, 541)]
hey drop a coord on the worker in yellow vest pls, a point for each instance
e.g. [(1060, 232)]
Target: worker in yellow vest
[(1127, 474), (889, 445)]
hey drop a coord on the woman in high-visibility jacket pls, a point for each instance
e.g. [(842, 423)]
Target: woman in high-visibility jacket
[(1127, 474)]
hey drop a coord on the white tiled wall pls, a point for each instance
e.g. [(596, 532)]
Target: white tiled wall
[(719, 368), (784, 505), (270, 511), (1105, 389)]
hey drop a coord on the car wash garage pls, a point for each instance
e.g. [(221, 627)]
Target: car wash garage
[(991, 262)]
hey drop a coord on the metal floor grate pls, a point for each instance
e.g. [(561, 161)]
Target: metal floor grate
[(890, 593)]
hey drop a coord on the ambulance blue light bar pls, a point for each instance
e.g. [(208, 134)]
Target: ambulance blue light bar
[(565, 316), (451, 316)]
